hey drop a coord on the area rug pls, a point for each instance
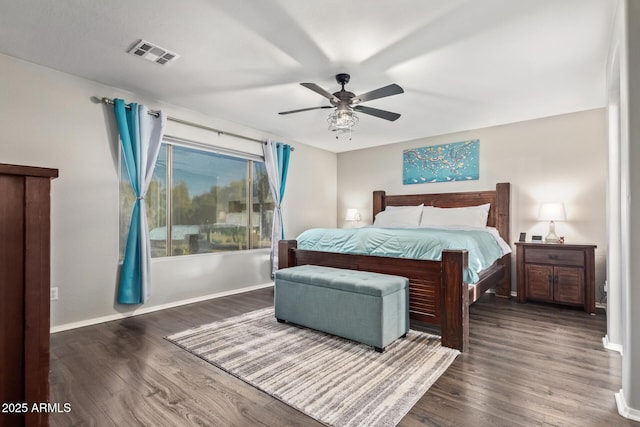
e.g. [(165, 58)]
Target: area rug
[(333, 380)]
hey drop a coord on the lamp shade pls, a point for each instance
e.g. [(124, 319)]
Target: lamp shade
[(552, 212), (352, 215)]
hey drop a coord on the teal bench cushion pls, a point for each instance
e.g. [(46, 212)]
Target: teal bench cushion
[(359, 282)]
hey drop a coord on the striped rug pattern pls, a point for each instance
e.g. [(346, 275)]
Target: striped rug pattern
[(336, 381)]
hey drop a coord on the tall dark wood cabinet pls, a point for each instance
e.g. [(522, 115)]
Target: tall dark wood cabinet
[(24, 292)]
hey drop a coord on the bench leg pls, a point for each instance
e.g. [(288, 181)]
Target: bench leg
[(280, 320), (379, 350)]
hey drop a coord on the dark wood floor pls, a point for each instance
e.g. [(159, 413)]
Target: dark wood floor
[(528, 365)]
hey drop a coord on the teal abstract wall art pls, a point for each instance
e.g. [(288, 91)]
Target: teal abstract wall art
[(457, 161)]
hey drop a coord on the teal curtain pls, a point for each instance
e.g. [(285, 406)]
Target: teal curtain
[(276, 159), (140, 136), (283, 153)]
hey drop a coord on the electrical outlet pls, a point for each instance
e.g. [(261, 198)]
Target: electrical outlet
[(54, 294)]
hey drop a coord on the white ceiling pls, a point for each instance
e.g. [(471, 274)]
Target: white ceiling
[(463, 64)]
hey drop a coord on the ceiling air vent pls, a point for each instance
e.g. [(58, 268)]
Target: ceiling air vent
[(151, 52)]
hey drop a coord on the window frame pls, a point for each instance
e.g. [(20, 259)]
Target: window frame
[(168, 142)]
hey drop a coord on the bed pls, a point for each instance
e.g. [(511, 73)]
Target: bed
[(438, 292)]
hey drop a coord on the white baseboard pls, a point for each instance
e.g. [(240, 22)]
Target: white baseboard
[(624, 410), (611, 346), (143, 310)]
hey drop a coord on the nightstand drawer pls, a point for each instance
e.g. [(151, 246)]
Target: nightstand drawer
[(554, 256)]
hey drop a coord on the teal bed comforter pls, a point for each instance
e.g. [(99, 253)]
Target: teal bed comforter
[(417, 243)]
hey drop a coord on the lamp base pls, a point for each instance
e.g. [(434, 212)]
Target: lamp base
[(552, 237)]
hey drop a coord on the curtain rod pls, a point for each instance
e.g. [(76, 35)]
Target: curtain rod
[(109, 101)]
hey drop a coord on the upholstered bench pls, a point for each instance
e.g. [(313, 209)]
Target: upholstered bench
[(367, 307)]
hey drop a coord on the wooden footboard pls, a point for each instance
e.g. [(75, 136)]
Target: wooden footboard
[(437, 292)]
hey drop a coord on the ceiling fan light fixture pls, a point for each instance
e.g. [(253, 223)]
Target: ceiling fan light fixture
[(342, 120)]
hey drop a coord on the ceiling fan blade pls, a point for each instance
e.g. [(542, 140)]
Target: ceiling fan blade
[(317, 89), (387, 115), (305, 109), (392, 89)]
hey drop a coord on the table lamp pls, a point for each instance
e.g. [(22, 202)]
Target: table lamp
[(352, 215), (552, 212)]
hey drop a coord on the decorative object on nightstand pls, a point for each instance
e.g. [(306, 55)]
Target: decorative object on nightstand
[(555, 273), (552, 212), (353, 216)]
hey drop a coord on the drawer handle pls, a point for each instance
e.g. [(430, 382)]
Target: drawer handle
[(553, 256)]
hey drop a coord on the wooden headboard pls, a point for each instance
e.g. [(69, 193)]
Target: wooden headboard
[(498, 198)]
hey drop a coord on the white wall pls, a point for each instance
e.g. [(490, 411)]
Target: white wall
[(560, 158), (48, 119), (310, 198), (631, 343), (617, 181), (625, 183)]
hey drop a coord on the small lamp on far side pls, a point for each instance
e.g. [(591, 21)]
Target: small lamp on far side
[(352, 215), (552, 212)]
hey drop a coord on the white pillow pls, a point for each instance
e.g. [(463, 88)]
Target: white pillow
[(472, 216), (399, 216)]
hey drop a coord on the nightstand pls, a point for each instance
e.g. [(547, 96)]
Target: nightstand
[(557, 273)]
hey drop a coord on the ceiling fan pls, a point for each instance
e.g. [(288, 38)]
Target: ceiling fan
[(345, 103)]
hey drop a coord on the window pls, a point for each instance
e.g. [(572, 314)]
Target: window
[(218, 202)]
